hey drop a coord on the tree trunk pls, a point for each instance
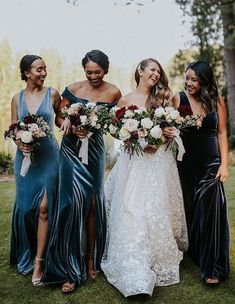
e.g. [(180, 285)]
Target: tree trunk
[(228, 17)]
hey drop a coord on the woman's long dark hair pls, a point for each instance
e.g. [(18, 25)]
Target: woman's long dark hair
[(160, 93), (208, 94)]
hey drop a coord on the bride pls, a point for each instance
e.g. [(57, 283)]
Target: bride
[(146, 222)]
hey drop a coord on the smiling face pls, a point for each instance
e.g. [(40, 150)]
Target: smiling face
[(37, 72), (94, 73), (192, 83), (151, 73)]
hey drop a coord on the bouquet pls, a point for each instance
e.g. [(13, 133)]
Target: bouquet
[(134, 127), (169, 116), (180, 118), (83, 116), (29, 131)]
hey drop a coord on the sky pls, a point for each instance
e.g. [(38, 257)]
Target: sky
[(126, 35)]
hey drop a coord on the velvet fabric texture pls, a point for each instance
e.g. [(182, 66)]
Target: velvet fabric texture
[(204, 198), (79, 183), (41, 177)]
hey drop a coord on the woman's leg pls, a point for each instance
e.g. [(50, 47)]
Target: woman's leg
[(41, 240)]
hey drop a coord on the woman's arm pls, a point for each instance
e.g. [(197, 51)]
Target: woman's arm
[(56, 99), (14, 108), (60, 121), (14, 116), (169, 132), (122, 102), (222, 140)]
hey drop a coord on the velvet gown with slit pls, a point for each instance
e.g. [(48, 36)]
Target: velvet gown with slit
[(79, 184), (41, 178), (204, 198)]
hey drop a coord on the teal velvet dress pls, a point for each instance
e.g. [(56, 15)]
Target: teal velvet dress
[(79, 183), (41, 177)]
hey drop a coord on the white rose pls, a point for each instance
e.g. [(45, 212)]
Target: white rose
[(26, 137), (159, 112), (124, 134), (90, 105), (22, 124), (94, 120), (112, 129), (33, 127), (174, 114), (83, 119), (71, 111), (114, 109), (129, 114), (169, 109), (146, 123), (76, 105), (131, 125), (156, 132)]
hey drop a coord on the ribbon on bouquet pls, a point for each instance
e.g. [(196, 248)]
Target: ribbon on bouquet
[(142, 143), (25, 164), (83, 152), (180, 145)]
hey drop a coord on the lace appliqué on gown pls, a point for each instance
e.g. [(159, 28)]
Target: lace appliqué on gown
[(146, 223)]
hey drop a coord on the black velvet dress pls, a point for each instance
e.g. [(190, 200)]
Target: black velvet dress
[(204, 198)]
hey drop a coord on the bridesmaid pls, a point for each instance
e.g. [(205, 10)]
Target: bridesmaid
[(203, 171), (34, 192), (77, 241)]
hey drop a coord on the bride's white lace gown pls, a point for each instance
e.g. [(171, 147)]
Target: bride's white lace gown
[(146, 223)]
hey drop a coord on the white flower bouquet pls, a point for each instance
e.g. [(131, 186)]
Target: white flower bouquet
[(180, 118), (83, 116), (135, 128), (29, 131)]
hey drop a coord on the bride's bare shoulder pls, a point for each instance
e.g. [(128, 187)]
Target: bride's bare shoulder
[(126, 100)]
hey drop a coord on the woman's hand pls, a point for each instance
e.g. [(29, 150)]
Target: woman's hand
[(151, 149), (66, 127), (222, 173), (25, 148), (169, 132), (80, 132)]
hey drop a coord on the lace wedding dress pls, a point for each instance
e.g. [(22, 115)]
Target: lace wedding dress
[(146, 231)]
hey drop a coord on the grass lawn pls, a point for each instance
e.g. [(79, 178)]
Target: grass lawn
[(16, 288)]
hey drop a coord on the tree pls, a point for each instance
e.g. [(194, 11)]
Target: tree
[(213, 21), (227, 9)]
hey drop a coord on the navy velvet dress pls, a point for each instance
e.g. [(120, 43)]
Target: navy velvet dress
[(204, 198), (41, 177), (78, 185)]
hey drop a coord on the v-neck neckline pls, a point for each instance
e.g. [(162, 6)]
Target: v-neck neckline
[(201, 114), (39, 105)]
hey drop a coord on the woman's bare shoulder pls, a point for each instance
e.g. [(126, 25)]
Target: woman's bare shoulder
[(15, 99), (75, 86), (176, 100), (126, 100)]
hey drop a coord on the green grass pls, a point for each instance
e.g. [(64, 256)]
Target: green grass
[(15, 288)]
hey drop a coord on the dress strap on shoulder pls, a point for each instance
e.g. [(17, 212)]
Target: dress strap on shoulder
[(183, 98), (21, 103), (71, 97)]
